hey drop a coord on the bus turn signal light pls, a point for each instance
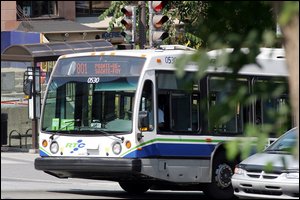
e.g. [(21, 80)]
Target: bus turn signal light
[(128, 144), (45, 143)]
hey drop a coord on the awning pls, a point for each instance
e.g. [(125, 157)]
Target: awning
[(51, 51), (54, 26)]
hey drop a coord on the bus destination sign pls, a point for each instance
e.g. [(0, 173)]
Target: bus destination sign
[(98, 69), (99, 66)]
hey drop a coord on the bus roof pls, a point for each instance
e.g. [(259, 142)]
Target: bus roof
[(147, 53), (271, 60)]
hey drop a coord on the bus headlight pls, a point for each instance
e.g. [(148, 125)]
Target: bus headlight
[(54, 147), (117, 148)]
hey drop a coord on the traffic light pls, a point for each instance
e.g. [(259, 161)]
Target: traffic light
[(129, 22), (157, 20)]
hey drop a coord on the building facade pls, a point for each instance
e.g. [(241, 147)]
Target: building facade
[(58, 20)]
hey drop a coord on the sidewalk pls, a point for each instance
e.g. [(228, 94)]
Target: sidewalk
[(17, 157), (18, 149)]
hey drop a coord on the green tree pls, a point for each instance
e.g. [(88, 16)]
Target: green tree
[(216, 25), (205, 21), (287, 14), (288, 19), (236, 25)]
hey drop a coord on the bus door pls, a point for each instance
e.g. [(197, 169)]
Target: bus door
[(146, 113)]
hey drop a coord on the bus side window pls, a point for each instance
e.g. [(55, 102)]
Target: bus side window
[(179, 99), (267, 108), (185, 112), (219, 90), (181, 112), (196, 112)]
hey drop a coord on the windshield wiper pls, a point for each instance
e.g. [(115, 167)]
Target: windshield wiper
[(69, 123), (108, 134)]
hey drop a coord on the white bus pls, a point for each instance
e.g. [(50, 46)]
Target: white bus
[(99, 119)]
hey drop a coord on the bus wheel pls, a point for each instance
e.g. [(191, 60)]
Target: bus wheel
[(135, 187), (220, 187)]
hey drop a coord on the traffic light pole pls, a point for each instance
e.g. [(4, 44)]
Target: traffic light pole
[(133, 26), (150, 24), (142, 24)]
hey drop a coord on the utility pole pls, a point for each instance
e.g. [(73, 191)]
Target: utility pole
[(142, 24)]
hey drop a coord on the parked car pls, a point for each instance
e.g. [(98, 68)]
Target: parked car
[(251, 178)]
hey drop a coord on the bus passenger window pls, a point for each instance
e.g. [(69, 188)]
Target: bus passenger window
[(220, 90), (268, 109), (181, 112)]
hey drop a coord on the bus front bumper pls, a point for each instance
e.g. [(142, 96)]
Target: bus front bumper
[(92, 168)]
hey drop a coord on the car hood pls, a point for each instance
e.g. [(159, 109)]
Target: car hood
[(279, 161)]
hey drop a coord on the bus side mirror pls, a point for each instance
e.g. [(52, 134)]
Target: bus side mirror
[(143, 120), (27, 88)]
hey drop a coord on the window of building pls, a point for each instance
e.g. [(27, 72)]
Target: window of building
[(91, 8), (34, 9)]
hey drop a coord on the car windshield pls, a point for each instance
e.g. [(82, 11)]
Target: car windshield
[(285, 143)]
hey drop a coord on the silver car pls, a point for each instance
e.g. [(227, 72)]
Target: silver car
[(252, 180)]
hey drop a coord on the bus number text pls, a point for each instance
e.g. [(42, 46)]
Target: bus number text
[(170, 59), (81, 68), (93, 80)]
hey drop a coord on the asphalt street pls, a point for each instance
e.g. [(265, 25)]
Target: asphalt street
[(19, 180)]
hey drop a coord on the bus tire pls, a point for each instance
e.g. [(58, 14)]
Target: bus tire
[(220, 186), (135, 187)]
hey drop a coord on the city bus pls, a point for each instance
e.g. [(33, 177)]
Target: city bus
[(99, 118)]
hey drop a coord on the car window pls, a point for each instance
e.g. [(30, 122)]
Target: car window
[(284, 143)]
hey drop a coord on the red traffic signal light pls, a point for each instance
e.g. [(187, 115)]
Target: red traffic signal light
[(157, 6)]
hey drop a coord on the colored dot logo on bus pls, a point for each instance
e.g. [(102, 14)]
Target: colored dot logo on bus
[(79, 145)]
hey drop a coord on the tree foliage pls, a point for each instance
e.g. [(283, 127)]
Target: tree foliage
[(203, 23), (206, 25), (211, 22)]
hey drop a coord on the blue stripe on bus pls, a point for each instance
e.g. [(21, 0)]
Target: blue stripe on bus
[(182, 150), (43, 154)]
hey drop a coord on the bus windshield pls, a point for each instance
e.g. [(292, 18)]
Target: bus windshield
[(92, 95)]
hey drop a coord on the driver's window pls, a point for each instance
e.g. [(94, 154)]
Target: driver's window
[(147, 102)]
